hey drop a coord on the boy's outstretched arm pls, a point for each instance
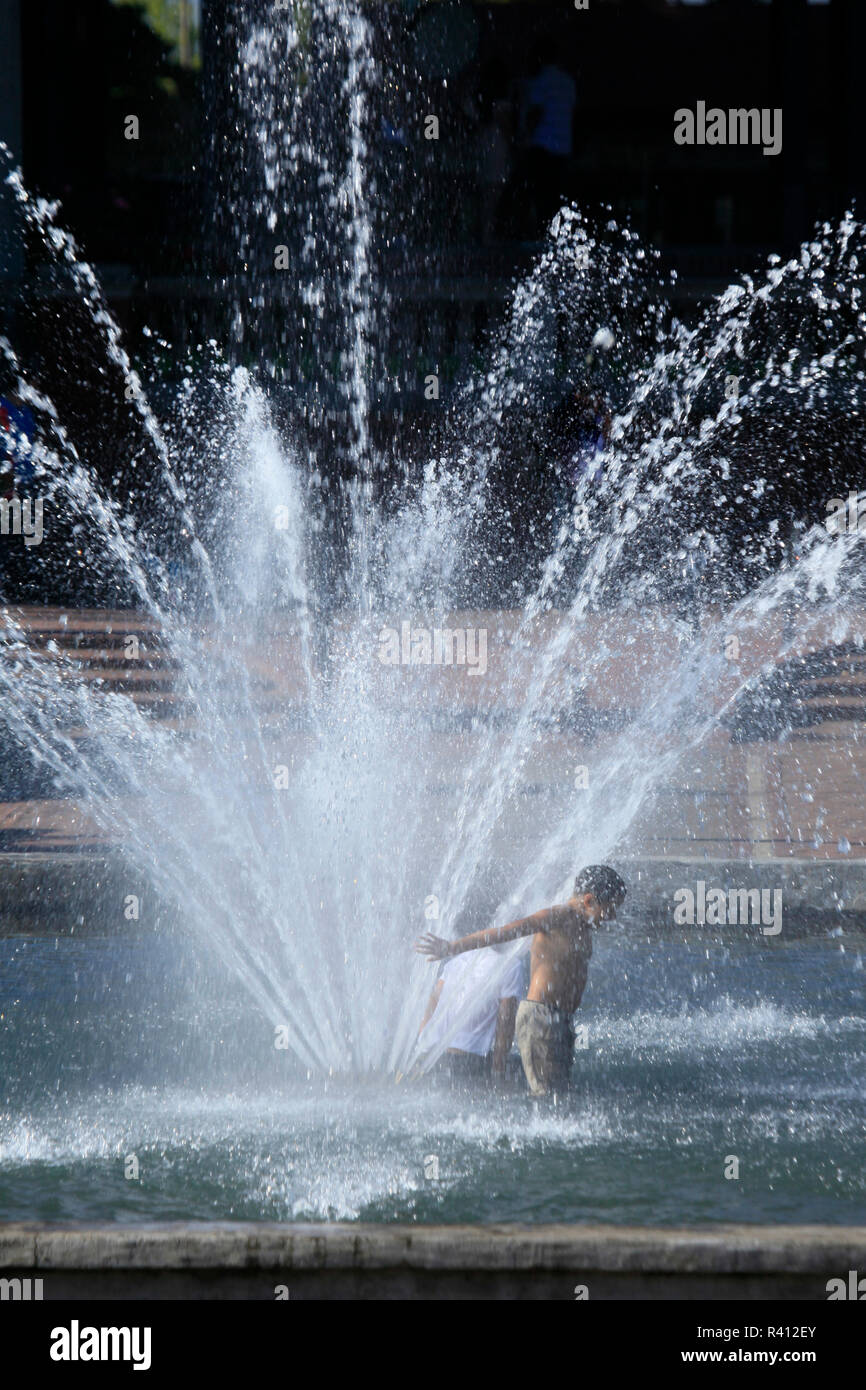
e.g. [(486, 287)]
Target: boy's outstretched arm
[(436, 947)]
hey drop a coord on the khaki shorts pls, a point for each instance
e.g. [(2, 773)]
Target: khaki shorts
[(545, 1038)]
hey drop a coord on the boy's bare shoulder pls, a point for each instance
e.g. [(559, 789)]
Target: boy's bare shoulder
[(561, 917)]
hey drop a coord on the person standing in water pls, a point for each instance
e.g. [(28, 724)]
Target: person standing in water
[(559, 962), (485, 1015)]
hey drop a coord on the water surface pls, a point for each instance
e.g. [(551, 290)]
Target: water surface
[(696, 1052)]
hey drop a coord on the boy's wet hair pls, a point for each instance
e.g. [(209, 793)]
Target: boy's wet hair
[(603, 882)]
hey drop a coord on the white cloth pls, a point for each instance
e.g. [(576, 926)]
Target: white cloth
[(472, 985)]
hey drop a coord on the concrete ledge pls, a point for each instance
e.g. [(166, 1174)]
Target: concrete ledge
[(819, 891), (66, 892), (248, 1260), (63, 893)]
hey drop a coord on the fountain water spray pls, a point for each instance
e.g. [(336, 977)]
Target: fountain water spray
[(300, 839)]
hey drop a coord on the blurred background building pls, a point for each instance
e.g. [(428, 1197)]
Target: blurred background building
[(71, 73), (537, 104)]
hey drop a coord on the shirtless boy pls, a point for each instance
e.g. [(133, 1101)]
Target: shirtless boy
[(561, 948)]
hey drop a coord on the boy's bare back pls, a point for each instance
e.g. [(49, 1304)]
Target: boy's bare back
[(560, 959)]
